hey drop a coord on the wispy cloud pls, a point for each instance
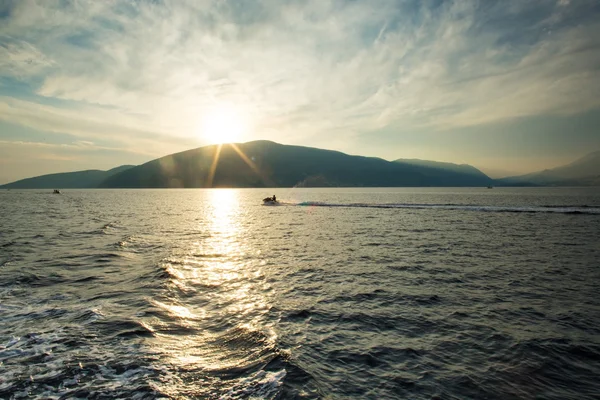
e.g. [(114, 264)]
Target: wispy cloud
[(20, 59), (149, 70), (16, 158), (131, 132)]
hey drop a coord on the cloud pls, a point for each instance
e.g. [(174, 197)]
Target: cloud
[(20, 59), (149, 71), (22, 159), (14, 151), (74, 146), (24, 151), (130, 132)]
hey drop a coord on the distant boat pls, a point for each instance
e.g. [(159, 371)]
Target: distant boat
[(490, 187), (56, 191)]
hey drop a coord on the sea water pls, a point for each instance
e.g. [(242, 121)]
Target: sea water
[(335, 293)]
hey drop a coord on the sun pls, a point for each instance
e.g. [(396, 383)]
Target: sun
[(223, 124)]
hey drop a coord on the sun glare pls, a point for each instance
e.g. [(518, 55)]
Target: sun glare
[(223, 124)]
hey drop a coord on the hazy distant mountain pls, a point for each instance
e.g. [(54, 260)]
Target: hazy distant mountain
[(444, 166), (583, 172), (269, 164), (497, 173), (67, 180)]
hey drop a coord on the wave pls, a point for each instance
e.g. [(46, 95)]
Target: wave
[(50, 372), (553, 209), (261, 384)]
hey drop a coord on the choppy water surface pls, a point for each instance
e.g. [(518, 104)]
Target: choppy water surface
[(345, 293)]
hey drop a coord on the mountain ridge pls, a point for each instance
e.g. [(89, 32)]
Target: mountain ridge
[(464, 168), (272, 164), (584, 171), (86, 179), (265, 163)]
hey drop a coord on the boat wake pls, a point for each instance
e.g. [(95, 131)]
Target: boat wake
[(550, 209), (274, 203)]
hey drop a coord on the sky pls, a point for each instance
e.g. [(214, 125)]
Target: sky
[(508, 86)]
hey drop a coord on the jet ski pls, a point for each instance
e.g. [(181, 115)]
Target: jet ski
[(270, 201)]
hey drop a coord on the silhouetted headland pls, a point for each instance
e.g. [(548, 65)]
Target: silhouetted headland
[(264, 163), (269, 164)]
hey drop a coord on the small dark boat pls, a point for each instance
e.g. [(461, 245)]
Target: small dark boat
[(56, 191)]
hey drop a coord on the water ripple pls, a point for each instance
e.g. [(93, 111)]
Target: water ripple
[(418, 294)]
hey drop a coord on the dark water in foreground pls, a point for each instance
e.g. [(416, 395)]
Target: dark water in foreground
[(346, 293)]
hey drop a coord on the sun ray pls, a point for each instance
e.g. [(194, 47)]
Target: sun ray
[(252, 165), (213, 166), (244, 157)]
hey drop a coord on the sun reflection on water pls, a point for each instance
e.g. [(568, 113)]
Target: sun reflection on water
[(212, 316)]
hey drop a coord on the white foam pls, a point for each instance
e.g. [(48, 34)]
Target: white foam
[(261, 385), (12, 342), (462, 207)]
